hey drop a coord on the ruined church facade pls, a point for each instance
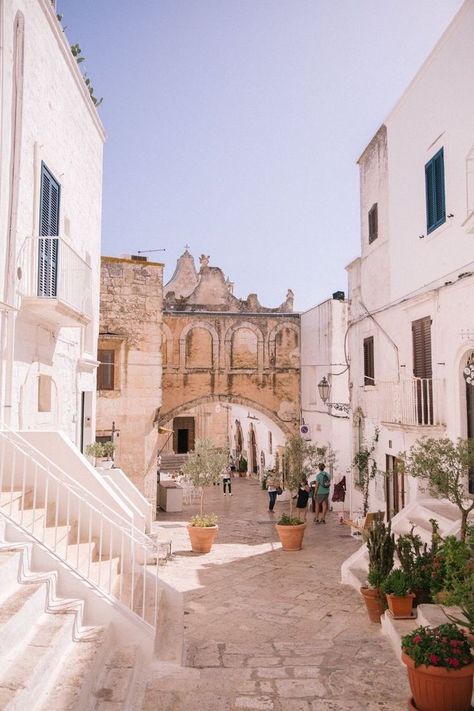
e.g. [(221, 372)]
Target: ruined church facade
[(231, 367)]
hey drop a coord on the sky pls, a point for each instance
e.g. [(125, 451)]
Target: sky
[(234, 127)]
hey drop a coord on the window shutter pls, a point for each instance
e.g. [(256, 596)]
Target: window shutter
[(421, 331), (106, 371), (48, 249), (369, 370), (435, 192), (440, 210), (373, 223)]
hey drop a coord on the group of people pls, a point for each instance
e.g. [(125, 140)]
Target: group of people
[(315, 488)]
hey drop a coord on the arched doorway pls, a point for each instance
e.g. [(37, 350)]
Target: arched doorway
[(253, 464)]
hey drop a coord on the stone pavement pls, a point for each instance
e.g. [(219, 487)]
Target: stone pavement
[(267, 629)]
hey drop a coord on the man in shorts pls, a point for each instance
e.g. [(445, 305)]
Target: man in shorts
[(321, 494)]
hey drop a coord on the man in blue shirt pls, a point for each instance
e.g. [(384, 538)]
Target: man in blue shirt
[(321, 493)]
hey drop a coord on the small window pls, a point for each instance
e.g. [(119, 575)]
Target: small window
[(270, 443), (373, 223), (369, 374), (435, 194), (106, 371)]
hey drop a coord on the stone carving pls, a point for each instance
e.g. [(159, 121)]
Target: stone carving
[(204, 260)]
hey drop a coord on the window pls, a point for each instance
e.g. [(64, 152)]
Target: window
[(373, 223), (369, 378), (45, 383), (422, 370), (48, 229), (106, 371), (435, 197)]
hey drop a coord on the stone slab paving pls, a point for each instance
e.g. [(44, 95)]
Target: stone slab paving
[(267, 629)]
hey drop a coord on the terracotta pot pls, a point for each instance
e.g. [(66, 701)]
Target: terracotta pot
[(291, 537), (202, 537), (438, 688), (374, 603), (400, 605)]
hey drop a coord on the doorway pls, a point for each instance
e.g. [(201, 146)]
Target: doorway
[(394, 486), (183, 435)]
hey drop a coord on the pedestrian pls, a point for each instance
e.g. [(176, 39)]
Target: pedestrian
[(272, 486), (226, 480), (321, 492), (312, 487), (302, 502)]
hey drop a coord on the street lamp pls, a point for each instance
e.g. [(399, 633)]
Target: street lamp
[(324, 389)]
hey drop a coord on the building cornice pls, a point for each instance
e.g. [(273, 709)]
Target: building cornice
[(65, 49), (135, 262)]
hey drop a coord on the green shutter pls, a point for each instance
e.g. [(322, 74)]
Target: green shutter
[(435, 192)]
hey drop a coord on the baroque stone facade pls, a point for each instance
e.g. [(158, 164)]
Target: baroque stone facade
[(226, 360), (129, 376)]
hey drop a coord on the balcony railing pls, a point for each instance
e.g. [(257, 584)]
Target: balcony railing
[(56, 280), (413, 401)]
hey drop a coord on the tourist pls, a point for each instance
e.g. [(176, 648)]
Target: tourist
[(272, 486), (312, 487), (302, 502), (321, 494), (226, 480)]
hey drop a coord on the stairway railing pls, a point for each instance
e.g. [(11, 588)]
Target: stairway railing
[(90, 538)]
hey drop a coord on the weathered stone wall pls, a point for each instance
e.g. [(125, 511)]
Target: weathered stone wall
[(239, 358), (131, 306)]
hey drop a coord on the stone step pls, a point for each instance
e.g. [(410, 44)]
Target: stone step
[(72, 687), (116, 685), (18, 613)]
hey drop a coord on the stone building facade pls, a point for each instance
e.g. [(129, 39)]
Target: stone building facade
[(129, 373), (231, 367)]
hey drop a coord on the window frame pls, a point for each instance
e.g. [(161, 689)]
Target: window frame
[(369, 361), (101, 384), (373, 222), (435, 192)]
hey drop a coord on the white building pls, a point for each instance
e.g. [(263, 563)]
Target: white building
[(51, 144), (323, 359), (411, 328)]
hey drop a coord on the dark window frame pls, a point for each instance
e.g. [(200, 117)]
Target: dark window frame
[(373, 220), (435, 192), (369, 361), (106, 370)]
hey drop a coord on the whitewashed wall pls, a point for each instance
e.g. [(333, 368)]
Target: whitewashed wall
[(56, 123)]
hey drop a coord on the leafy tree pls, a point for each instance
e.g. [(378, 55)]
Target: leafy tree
[(205, 465), (301, 458), (367, 468), (444, 466)]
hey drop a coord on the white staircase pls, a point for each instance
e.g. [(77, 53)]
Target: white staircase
[(79, 593)]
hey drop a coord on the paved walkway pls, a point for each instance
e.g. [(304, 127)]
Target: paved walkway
[(267, 629)]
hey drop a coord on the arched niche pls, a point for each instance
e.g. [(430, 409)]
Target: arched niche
[(284, 346), (167, 347), (198, 346), (244, 347)]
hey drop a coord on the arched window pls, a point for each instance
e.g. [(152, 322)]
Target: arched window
[(199, 348), (244, 349)]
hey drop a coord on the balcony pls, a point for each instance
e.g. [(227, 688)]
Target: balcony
[(56, 282), (414, 401)]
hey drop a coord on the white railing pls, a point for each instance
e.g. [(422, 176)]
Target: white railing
[(412, 401), (52, 269), (88, 537)]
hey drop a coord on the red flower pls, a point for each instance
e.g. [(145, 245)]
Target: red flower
[(434, 659), (416, 639), (453, 662), (454, 643)]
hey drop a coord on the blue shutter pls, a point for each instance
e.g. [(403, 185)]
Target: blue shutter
[(435, 195), (48, 249)]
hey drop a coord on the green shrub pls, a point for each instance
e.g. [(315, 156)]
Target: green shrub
[(286, 520), (204, 521), (397, 583)]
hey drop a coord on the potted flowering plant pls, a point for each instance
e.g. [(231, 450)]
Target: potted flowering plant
[(440, 668)]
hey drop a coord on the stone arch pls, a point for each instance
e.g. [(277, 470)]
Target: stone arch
[(229, 339), (232, 399), (214, 343), (167, 347), (276, 357)]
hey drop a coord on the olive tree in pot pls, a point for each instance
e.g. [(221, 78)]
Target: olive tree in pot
[(381, 548), (101, 453), (298, 459), (203, 468), (443, 466)]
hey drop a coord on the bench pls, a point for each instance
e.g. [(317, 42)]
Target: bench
[(366, 524)]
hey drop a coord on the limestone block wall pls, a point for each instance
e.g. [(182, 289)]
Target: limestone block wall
[(130, 326), (237, 358)]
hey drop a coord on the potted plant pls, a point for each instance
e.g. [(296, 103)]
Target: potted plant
[(103, 452), (440, 668), (396, 588), (298, 457), (421, 563), (203, 468), (381, 549)]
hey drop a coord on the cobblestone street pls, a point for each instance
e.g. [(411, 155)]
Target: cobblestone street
[(267, 629)]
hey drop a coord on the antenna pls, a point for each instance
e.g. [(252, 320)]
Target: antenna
[(149, 251)]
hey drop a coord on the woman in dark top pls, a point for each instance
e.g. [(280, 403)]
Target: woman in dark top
[(302, 502)]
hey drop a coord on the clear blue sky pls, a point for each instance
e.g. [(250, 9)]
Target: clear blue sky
[(235, 126)]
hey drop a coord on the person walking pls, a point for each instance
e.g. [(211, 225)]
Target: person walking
[(302, 501), (321, 493), (272, 486), (227, 481)]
